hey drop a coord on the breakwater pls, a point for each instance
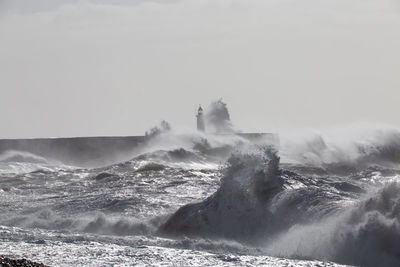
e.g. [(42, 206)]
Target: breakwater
[(97, 151), (79, 151)]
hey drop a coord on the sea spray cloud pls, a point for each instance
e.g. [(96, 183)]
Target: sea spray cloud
[(364, 234), (218, 118), (157, 130), (347, 148)]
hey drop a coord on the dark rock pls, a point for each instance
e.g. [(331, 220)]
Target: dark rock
[(8, 262)]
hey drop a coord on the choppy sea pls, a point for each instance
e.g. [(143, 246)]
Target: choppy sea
[(314, 201)]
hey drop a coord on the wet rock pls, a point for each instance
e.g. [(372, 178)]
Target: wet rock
[(7, 262)]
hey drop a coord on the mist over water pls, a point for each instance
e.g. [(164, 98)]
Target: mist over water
[(213, 199), (218, 118), (358, 146)]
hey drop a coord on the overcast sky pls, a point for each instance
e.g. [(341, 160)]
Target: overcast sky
[(84, 68)]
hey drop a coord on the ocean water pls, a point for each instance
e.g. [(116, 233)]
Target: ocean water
[(199, 200)]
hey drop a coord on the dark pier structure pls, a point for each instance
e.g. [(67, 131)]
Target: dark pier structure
[(101, 151), (79, 151), (98, 151)]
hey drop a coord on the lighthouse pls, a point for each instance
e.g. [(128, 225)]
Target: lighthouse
[(200, 120)]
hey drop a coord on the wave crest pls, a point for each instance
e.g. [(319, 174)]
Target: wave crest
[(345, 152), (234, 211), (364, 234), (21, 156)]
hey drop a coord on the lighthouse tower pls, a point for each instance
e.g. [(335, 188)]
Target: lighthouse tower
[(200, 120)]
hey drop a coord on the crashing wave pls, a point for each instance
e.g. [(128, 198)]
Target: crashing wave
[(18, 162), (234, 211), (256, 199), (290, 215), (98, 223), (365, 234), (180, 158), (218, 118), (345, 154), (21, 156)]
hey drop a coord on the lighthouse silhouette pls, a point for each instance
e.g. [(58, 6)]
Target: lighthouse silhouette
[(200, 120)]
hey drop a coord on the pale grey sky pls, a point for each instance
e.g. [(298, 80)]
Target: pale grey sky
[(78, 68)]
